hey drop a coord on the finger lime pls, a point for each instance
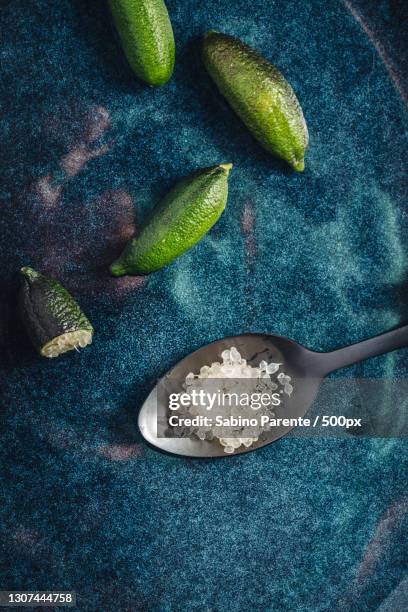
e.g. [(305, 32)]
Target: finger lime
[(53, 319), (147, 38), (260, 95), (190, 209)]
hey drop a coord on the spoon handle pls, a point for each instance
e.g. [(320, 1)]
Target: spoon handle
[(341, 358)]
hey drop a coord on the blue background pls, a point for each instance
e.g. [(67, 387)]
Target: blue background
[(86, 151)]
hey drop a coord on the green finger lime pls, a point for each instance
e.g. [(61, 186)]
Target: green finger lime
[(260, 95), (147, 38), (53, 319), (191, 208)]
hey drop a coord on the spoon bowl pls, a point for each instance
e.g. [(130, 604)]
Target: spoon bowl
[(307, 369)]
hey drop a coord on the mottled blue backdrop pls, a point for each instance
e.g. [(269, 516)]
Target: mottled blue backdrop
[(86, 150)]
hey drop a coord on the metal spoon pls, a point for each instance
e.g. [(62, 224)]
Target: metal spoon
[(306, 367)]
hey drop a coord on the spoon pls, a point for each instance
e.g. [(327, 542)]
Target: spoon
[(307, 369)]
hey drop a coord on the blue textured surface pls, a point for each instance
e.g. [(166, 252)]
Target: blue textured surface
[(321, 257)]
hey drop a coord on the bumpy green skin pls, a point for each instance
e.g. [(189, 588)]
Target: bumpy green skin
[(47, 309), (177, 223), (147, 38), (260, 96)]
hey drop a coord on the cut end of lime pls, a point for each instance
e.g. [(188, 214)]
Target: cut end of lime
[(116, 269), (226, 167), (67, 342), (298, 165)]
